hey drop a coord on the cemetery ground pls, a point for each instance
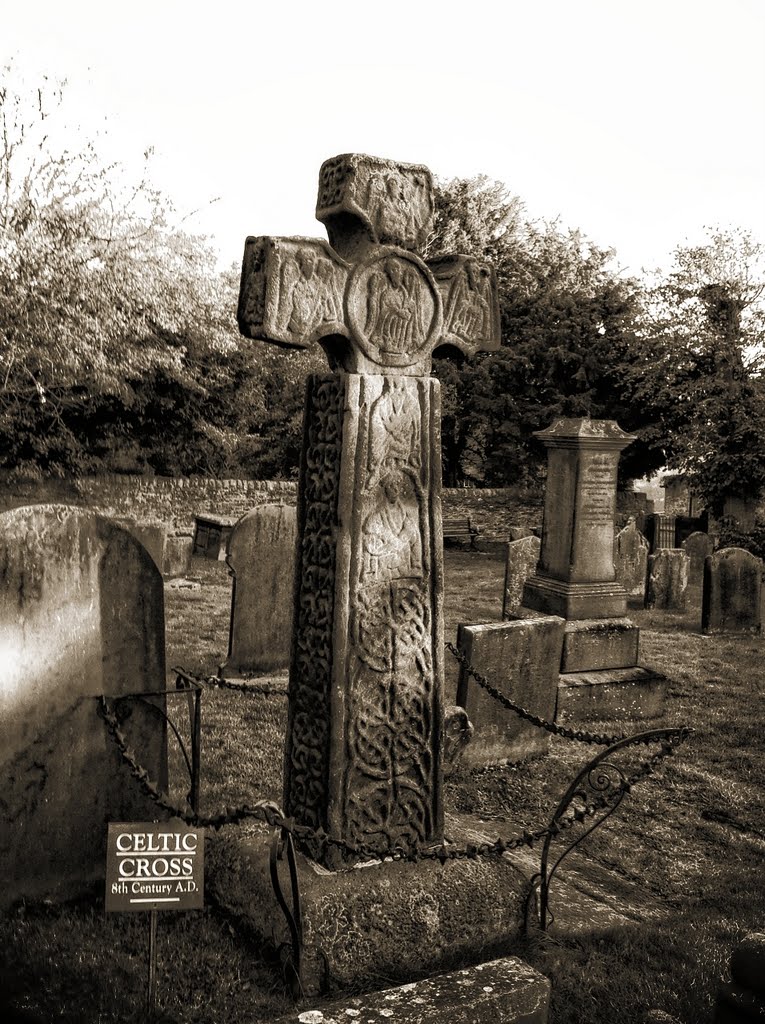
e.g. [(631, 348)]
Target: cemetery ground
[(684, 851)]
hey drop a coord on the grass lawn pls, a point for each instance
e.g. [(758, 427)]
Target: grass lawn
[(692, 839)]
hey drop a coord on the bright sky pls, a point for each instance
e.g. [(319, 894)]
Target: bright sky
[(637, 121)]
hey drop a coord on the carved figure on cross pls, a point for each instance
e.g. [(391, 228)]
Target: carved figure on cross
[(374, 305)]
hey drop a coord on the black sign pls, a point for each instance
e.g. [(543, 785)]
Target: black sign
[(154, 866)]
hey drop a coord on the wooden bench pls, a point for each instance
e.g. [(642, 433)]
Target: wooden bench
[(460, 529)]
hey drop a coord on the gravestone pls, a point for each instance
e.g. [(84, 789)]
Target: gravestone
[(261, 556), (631, 563), (576, 577), (522, 558), (698, 546), (521, 658), (364, 745), (667, 579), (81, 614), (732, 596)]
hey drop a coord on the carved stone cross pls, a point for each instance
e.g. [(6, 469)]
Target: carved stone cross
[(363, 756)]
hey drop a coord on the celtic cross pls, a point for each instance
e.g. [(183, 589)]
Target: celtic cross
[(363, 749)]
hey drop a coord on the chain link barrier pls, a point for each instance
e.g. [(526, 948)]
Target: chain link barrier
[(580, 735), (271, 814), (218, 683)]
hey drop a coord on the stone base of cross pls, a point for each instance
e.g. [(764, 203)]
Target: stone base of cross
[(363, 758)]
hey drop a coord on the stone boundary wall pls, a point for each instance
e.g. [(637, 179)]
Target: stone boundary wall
[(175, 501)]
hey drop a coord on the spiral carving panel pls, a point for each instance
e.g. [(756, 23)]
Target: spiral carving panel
[(308, 735)]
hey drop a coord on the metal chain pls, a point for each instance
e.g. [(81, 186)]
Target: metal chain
[(270, 813), (217, 682), (580, 735)]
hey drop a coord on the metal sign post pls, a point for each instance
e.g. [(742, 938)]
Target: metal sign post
[(154, 866)]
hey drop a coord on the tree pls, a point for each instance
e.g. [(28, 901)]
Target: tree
[(567, 337), (114, 324), (701, 375)]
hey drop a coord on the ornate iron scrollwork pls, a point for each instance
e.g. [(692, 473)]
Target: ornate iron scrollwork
[(597, 790)]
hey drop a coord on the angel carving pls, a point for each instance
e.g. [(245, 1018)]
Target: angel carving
[(395, 318), (468, 313)]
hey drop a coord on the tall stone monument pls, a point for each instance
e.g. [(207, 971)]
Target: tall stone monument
[(363, 755), (576, 578), (365, 743)]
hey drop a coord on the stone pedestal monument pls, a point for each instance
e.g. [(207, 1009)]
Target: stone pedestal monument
[(576, 578), (364, 747)]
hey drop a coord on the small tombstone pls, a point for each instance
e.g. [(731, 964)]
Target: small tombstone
[(177, 555), (261, 555), (81, 614), (732, 595), (522, 558), (521, 658), (698, 547), (631, 562), (667, 579)]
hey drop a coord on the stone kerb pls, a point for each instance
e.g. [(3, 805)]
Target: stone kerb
[(81, 614), (261, 556), (732, 595), (506, 990)]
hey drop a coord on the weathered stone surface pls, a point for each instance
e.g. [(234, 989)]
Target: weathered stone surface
[(458, 732), (364, 740), (732, 596), (366, 711), (392, 202), (519, 532), (631, 562), (81, 614), (152, 536), (261, 556), (575, 577), (697, 547), (615, 693), (506, 990), (521, 659), (590, 644), (522, 558), (667, 579), (391, 919), (177, 555)]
